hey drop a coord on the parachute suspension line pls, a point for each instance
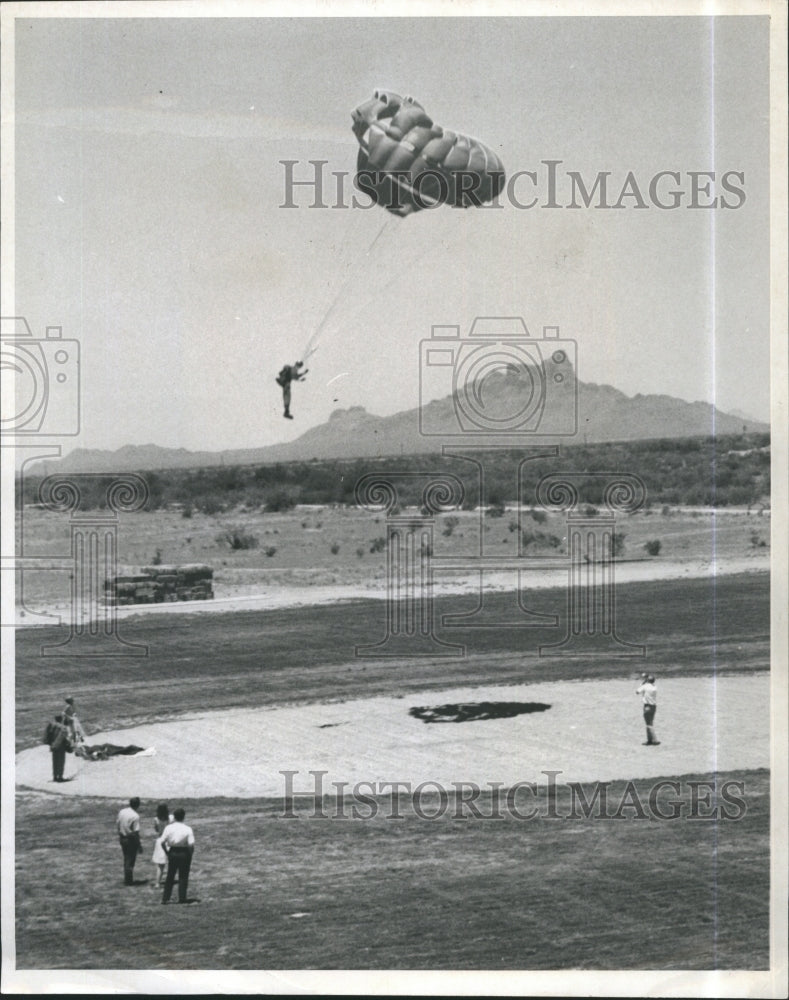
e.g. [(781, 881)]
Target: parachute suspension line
[(312, 343), (363, 301)]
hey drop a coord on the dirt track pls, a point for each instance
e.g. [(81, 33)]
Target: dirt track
[(592, 730), (454, 582)]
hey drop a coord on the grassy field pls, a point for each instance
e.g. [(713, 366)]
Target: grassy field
[(597, 893), (450, 893)]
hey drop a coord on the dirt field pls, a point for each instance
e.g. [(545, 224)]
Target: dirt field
[(587, 730), (311, 555), (229, 700), (451, 893)]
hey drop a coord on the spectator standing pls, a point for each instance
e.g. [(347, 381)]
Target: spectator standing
[(58, 736), (163, 818), (129, 836), (178, 841), (648, 693), (71, 720)]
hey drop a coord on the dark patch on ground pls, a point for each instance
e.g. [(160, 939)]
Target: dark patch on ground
[(477, 711)]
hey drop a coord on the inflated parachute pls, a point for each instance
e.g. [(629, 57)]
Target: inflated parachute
[(407, 163)]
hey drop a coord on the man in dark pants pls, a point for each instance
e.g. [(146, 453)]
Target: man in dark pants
[(129, 836), (70, 719), (648, 693), (288, 374), (59, 741), (178, 841)]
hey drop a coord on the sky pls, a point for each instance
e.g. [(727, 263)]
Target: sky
[(149, 222)]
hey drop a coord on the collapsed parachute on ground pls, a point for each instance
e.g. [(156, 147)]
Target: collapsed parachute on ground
[(103, 751), (407, 163)]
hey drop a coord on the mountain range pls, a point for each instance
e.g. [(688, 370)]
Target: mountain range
[(579, 413)]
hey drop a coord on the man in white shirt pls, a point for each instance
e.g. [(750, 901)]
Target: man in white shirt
[(178, 841), (129, 836), (648, 693), (71, 720)]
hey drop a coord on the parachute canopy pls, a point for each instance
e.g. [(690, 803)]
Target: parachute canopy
[(406, 162)]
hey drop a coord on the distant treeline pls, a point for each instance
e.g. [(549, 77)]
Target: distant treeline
[(701, 471)]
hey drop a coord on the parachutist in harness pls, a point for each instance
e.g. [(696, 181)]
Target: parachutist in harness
[(288, 374)]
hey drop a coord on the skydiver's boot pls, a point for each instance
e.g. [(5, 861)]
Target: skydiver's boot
[(287, 415), (651, 741)]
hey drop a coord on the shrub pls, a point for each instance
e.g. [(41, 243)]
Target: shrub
[(540, 540), (757, 541), (539, 516), (513, 526), (270, 550), (665, 510), (211, 505), (591, 511), (237, 538), (187, 511), (360, 551), (279, 500), (335, 548), (157, 559), (378, 544), (653, 547), (449, 525), (617, 543), (495, 509)]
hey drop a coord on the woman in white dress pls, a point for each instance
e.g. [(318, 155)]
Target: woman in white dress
[(163, 818)]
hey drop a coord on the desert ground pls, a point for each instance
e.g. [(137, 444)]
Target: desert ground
[(312, 555), (361, 874)]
